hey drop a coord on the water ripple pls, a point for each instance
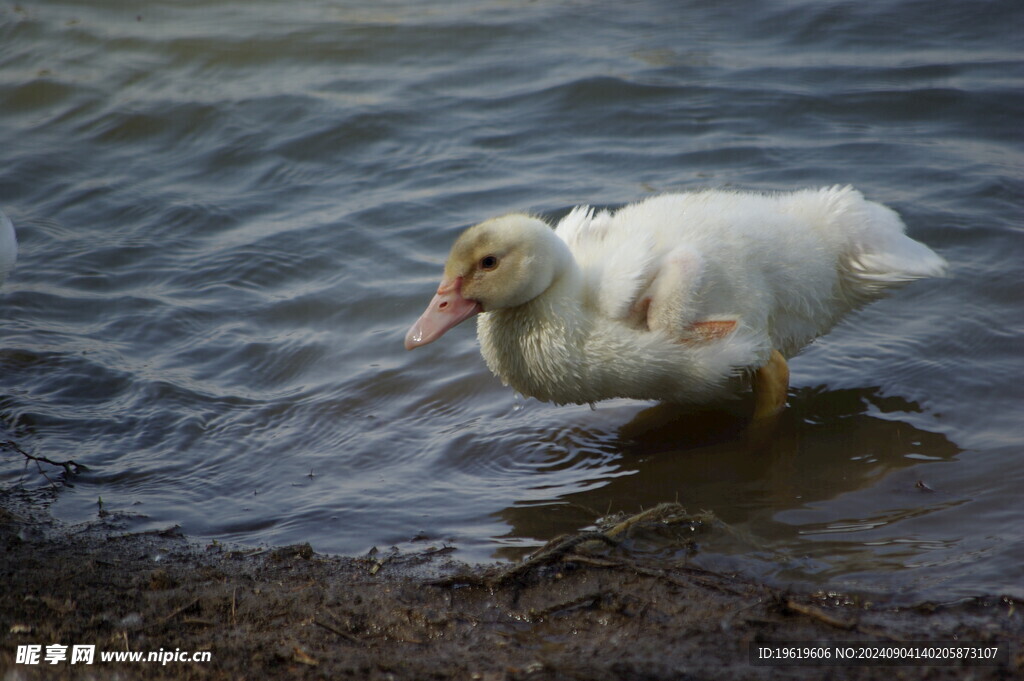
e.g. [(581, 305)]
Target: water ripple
[(227, 224)]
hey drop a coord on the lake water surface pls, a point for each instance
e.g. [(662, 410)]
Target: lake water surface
[(230, 213)]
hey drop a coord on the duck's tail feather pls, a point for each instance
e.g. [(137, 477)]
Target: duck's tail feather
[(883, 256)]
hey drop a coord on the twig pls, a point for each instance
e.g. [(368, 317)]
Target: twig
[(198, 621), (180, 610), (43, 473), (302, 657), (696, 574), (560, 548), (666, 513), (820, 615), (70, 467), (586, 600), (338, 632), (460, 579), (555, 550)]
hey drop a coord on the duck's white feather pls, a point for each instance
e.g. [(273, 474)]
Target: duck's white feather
[(616, 263), (790, 264), (629, 317), (557, 352)]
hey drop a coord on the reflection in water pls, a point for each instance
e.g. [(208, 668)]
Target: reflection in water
[(826, 444), (226, 228)]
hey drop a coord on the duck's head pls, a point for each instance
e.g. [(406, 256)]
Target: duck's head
[(500, 263)]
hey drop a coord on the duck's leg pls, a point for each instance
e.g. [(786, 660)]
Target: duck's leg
[(770, 384)]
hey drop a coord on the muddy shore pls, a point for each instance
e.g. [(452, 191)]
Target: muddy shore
[(585, 607)]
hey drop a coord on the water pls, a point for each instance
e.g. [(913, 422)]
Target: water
[(231, 212)]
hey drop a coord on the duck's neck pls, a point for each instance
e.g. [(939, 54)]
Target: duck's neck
[(531, 346)]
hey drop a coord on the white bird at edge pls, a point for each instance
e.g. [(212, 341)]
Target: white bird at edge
[(8, 247), (681, 297)]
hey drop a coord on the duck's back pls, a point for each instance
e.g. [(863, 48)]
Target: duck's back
[(790, 265)]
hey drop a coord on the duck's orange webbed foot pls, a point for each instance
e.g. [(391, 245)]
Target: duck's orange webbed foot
[(771, 383)]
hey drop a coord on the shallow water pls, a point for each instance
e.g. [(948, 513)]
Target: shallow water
[(230, 213)]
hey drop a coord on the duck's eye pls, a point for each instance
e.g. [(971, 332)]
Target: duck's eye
[(488, 262)]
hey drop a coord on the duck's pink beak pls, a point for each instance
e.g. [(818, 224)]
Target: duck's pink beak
[(447, 309)]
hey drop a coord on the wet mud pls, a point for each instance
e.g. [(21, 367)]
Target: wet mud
[(590, 605)]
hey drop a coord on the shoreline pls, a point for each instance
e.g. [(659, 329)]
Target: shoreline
[(584, 607)]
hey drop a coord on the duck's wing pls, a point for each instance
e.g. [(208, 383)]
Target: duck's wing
[(617, 264), (631, 276)]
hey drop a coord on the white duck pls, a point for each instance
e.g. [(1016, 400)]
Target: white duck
[(678, 297)]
